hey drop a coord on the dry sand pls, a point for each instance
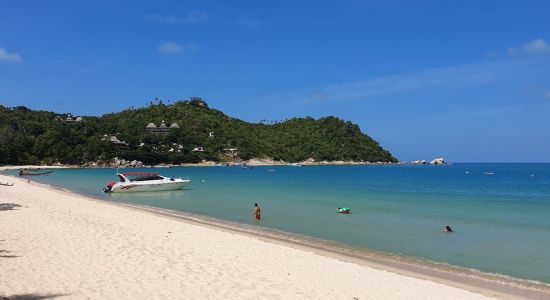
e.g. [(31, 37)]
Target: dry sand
[(55, 244)]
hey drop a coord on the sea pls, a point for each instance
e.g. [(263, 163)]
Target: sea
[(500, 212)]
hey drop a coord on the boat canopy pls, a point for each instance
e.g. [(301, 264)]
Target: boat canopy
[(140, 174)]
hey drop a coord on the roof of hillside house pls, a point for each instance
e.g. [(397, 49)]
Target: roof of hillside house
[(174, 125), (151, 125), (114, 139)]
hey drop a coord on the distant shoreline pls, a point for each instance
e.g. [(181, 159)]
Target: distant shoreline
[(233, 164), (250, 163)]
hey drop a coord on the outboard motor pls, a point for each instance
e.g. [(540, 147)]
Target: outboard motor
[(109, 187)]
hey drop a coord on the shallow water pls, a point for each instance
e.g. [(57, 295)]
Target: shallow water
[(501, 221)]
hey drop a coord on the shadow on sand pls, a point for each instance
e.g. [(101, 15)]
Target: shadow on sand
[(31, 296), (2, 255), (8, 206)]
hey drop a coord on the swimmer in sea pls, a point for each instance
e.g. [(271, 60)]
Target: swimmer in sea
[(257, 212), (448, 228)]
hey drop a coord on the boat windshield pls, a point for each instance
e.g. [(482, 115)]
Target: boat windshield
[(145, 178), (139, 176)]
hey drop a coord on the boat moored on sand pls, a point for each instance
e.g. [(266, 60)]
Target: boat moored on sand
[(144, 182), (33, 172)]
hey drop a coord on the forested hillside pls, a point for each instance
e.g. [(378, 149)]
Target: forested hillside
[(29, 137)]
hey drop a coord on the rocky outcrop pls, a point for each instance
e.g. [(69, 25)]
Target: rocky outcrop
[(438, 161), (114, 163)]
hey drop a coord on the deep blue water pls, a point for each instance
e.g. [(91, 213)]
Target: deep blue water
[(501, 221)]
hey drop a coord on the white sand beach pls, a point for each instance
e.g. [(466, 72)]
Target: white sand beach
[(60, 245)]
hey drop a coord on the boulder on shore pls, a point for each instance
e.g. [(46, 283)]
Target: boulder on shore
[(438, 161)]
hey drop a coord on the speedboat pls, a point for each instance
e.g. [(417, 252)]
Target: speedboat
[(144, 182)]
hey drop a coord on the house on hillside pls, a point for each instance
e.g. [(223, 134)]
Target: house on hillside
[(115, 141), (231, 152), (69, 119), (151, 127), (161, 129), (179, 147)]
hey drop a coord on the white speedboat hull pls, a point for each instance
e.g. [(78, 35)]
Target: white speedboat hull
[(162, 185), (144, 182)]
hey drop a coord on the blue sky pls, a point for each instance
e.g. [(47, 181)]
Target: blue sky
[(467, 80)]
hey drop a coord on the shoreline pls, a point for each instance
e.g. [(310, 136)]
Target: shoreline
[(501, 286), (205, 164), (216, 164)]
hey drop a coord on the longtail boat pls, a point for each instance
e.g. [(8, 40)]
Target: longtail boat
[(33, 173)]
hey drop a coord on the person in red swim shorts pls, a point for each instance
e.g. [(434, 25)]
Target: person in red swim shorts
[(257, 212)]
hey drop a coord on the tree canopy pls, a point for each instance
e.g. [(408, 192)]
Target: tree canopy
[(29, 137)]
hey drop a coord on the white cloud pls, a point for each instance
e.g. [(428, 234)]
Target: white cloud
[(535, 46), (446, 77), (248, 23), (193, 16), (9, 57), (171, 48)]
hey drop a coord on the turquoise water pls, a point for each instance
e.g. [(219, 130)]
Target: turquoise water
[(501, 221)]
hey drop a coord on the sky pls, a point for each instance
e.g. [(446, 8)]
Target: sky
[(465, 80)]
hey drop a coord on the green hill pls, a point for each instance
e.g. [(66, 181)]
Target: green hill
[(29, 137)]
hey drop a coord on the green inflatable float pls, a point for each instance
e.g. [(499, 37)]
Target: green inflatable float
[(344, 210)]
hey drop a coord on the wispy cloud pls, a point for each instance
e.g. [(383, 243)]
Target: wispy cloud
[(248, 23), (536, 46), (537, 91), (9, 57), (446, 77), (484, 113), (492, 54), (171, 48), (91, 68), (193, 16), (506, 66)]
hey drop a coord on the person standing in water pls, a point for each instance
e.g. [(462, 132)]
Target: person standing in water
[(257, 212)]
